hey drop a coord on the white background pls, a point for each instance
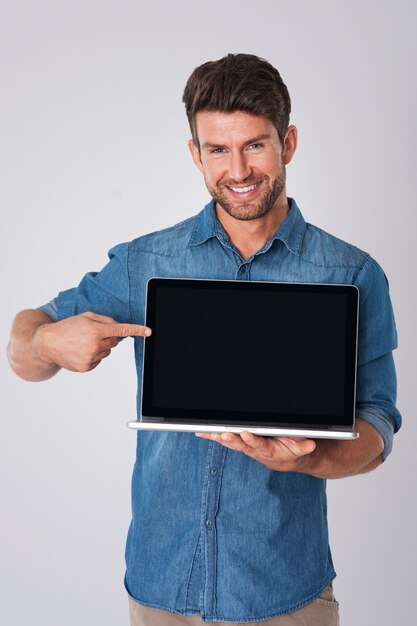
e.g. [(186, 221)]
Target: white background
[(93, 152)]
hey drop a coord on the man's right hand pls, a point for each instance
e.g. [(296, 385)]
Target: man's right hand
[(39, 347), (80, 342)]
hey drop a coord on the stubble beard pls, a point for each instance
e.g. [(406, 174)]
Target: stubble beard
[(251, 210)]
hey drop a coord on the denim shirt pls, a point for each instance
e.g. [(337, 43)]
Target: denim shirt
[(213, 531)]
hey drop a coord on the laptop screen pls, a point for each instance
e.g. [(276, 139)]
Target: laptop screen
[(253, 353)]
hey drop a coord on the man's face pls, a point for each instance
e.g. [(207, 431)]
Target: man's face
[(242, 161)]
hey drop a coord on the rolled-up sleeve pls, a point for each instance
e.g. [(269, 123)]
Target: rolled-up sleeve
[(50, 309), (376, 385), (105, 292)]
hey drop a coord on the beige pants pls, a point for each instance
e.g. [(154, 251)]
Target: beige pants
[(324, 611)]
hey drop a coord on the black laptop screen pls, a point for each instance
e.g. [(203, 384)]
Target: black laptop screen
[(252, 353)]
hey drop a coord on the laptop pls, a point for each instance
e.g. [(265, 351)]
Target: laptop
[(275, 359)]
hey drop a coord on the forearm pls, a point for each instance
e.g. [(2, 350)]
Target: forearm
[(24, 351), (338, 459)]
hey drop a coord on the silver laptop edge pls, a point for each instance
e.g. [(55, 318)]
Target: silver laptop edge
[(271, 432)]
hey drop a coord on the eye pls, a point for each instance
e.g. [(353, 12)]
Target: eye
[(255, 146), (217, 150)]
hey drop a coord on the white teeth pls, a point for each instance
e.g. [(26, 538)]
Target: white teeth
[(243, 189)]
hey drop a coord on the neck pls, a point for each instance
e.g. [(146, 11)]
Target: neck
[(250, 236)]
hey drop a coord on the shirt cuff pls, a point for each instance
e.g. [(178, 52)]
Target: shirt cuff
[(383, 423), (50, 309)]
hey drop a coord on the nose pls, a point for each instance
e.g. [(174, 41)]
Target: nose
[(240, 168)]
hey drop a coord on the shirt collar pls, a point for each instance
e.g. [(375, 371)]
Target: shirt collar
[(291, 231)]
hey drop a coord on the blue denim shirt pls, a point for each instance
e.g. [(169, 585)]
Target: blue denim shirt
[(213, 531)]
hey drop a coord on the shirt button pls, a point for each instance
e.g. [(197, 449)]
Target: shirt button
[(209, 524), (213, 471)]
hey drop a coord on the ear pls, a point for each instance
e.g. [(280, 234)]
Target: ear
[(195, 153), (290, 144)]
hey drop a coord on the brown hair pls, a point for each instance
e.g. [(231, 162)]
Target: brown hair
[(238, 82)]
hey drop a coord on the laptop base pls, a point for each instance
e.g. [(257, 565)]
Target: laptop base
[(269, 432)]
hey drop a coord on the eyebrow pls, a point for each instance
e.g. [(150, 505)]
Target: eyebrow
[(208, 144)]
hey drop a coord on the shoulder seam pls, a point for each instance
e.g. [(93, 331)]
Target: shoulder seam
[(144, 250), (365, 262), (337, 239)]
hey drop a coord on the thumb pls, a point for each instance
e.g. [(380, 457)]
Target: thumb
[(103, 319), (299, 446)]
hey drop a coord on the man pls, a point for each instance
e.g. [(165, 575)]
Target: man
[(229, 528)]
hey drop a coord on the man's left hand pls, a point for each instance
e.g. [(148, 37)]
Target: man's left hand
[(286, 454)]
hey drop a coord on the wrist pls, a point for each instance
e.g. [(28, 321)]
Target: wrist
[(314, 463), (40, 344)]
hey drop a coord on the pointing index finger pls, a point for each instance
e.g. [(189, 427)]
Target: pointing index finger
[(126, 330)]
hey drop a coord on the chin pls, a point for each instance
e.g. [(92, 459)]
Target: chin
[(244, 213)]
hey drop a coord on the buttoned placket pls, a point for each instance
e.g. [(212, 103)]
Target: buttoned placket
[(243, 265), (202, 591), (216, 457)]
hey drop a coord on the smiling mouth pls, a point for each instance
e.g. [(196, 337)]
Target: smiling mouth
[(246, 189)]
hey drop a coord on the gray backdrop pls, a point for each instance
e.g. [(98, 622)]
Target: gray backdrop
[(93, 152)]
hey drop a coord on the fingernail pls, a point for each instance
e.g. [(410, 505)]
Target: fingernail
[(147, 332)]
